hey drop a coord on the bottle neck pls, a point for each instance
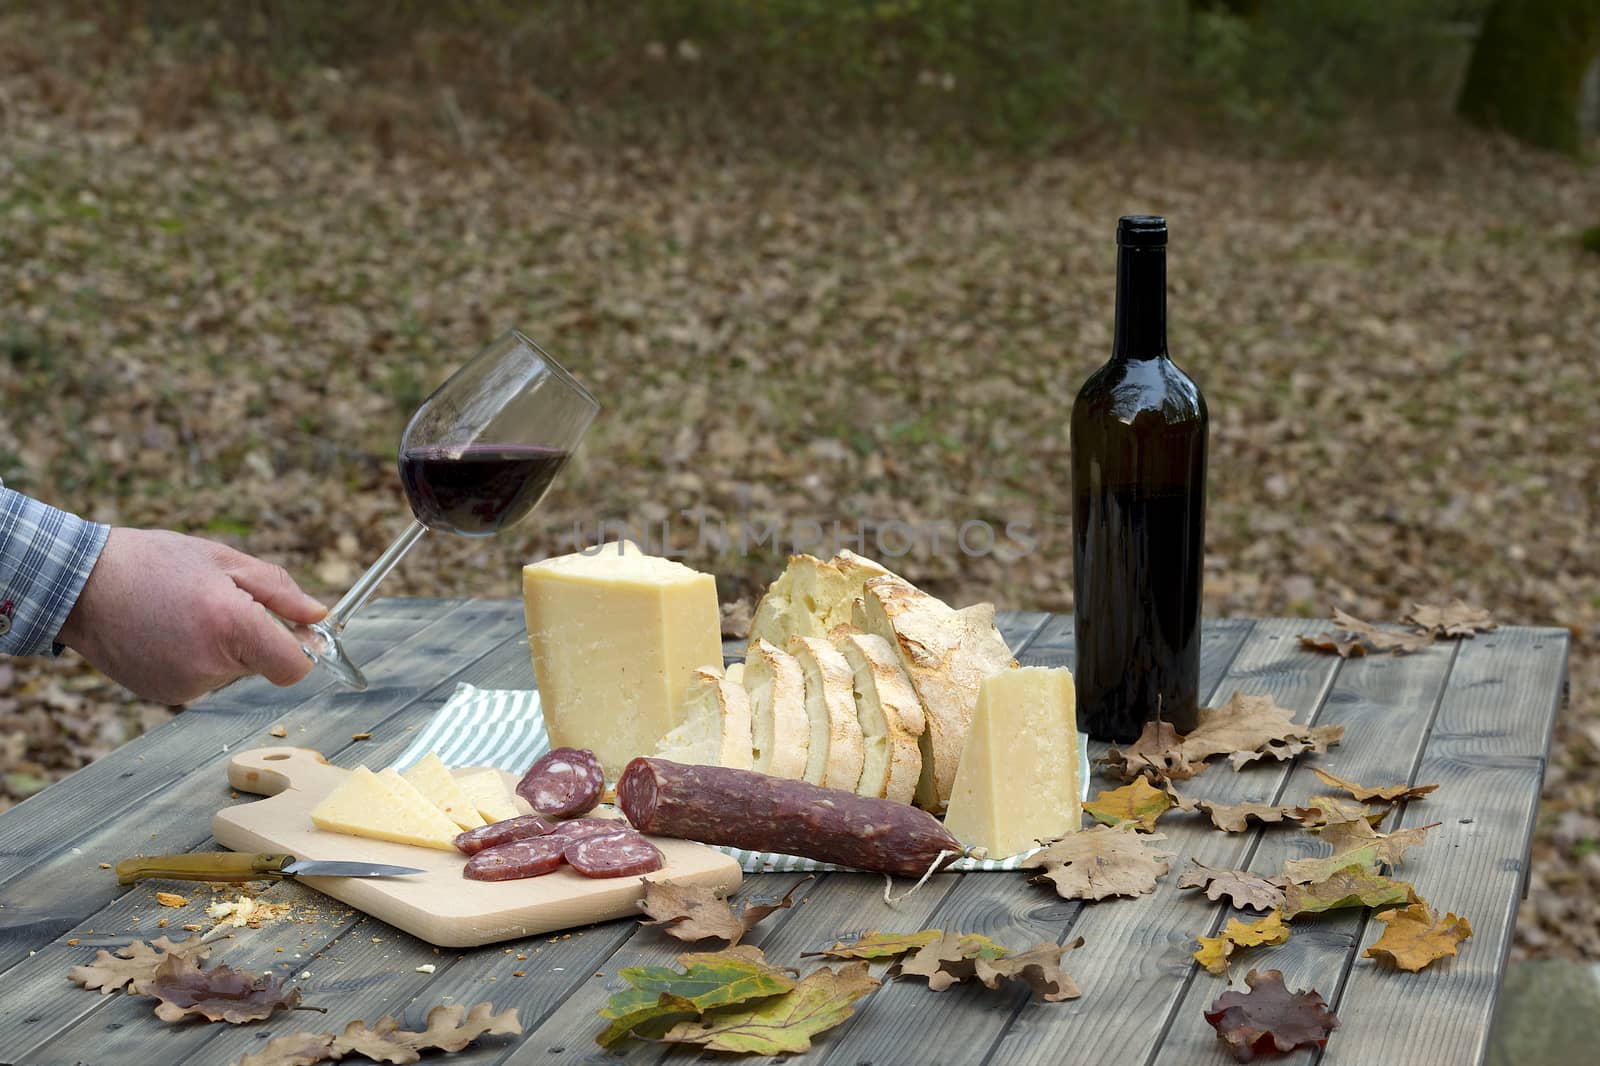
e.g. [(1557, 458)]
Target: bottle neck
[(1141, 331)]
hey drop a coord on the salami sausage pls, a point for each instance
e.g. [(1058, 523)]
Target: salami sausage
[(623, 853), (757, 812), (587, 827), (503, 832), (528, 857), (563, 782)]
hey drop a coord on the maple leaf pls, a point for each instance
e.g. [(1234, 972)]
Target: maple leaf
[(1248, 727), (220, 994), (134, 961), (783, 1024), (1215, 950), (1415, 936), (696, 912), (1269, 1018), (1381, 639), (1101, 861), (1458, 619), (1157, 751), (876, 945), (1363, 794), (1320, 811), (1245, 890), (1237, 818), (1353, 886), (661, 995), (1348, 648), (1138, 804), (451, 1027)]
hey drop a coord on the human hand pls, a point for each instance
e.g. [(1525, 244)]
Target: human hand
[(173, 617)]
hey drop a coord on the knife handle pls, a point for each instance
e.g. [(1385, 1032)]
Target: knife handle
[(203, 866)]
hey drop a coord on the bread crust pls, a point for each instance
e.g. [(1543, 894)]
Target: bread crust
[(779, 728), (887, 706)]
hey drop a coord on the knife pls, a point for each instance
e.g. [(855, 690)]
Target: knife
[(241, 866)]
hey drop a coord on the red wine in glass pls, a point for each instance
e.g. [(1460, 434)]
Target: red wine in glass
[(478, 489)]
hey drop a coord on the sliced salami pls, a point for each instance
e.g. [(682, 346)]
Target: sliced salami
[(529, 857), (503, 832), (563, 782), (757, 812), (587, 827), (623, 853)]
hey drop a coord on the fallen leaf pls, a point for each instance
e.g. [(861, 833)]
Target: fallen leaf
[(1039, 966), (1382, 639), (1386, 793), (451, 1027), (1349, 648), (1158, 751), (1101, 861), (662, 995), (781, 1024), (1356, 843), (296, 1049), (951, 958), (134, 962), (1307, 871), (1415, 936), (876, 945), (1320, 811), (1138, 804), (220, 994), (696, 912), (1245, 890), (1216, 950), (1458, 619), (1248, 727), (1237, 818), (1353, 886), (171, 899), (1269, 1018)]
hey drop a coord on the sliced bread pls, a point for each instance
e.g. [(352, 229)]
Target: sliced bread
[(836, 751), (889, 714), (780, 732), (716, 724)]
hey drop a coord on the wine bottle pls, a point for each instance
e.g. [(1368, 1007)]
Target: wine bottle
[(1138, 511)]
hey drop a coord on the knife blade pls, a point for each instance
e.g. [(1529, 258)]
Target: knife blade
[(243, 866)]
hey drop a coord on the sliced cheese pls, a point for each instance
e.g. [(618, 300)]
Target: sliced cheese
[(1018, 784), (366, 805), (946, 653), (890, 716), (836, 750), (811, 597), (431, 778), (780, 733), (488, 792), (716, 724), (616, 637)]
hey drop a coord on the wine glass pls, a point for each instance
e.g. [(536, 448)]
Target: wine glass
[(476, 457)]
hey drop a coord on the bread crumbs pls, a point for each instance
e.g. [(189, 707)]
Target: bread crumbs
[(278, 731), (171, 899)]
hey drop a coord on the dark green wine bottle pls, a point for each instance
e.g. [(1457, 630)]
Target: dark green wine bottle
[(1138, 511)]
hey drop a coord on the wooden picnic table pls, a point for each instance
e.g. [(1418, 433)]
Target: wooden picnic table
[(1474, 715)]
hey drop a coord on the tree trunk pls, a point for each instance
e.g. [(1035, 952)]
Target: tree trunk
[(1527, 69)]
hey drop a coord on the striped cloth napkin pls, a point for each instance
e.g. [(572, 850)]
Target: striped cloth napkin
[(504, 728)]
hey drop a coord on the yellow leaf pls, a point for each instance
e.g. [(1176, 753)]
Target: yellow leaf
[(1138, 803), (1216, 950), (781, 1025), (1415, 936)]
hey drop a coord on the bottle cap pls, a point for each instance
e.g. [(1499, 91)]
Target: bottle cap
[(1142, 231)]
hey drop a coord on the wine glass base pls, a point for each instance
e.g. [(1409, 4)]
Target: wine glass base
[(322, 646)]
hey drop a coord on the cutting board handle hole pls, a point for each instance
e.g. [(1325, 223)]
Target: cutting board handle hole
[(273, 758)]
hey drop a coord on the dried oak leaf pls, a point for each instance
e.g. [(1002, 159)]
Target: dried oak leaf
[(1158, 751), (1381, 639), (1237, 817), (660, 996), (874, 945), (220, 994), (1039, 966), (1458, 619), (1138, 804), (1353, 886), (1385, 793), (1248, 727), (1356, 843), (1269, 1019), (1320, 811), (296, 1049), (951, 957), (1101, 861), (782, 1024), (133, 962), (1349, 647), (1245, 890), (451, 1027), (1415, 936), (1215, 950), (697, 912)]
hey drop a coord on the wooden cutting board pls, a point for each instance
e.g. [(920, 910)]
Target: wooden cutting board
[(439, 906)]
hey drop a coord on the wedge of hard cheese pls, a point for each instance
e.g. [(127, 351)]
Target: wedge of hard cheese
[(946, 653), (836, 753), (889, 714), (1018, 782), (616, 637), (811, 597), (715, 730), (431, 778), (780, 732), (486, 790), (367, 805)]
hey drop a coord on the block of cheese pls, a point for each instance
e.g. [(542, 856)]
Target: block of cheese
[(780, 733), (811, 597), (487, 791), (365, 805), (431, 778), (616, 637), (715, 730), (835, 755), (1018, 782), (890, 716)]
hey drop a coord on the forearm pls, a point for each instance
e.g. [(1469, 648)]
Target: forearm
[(45, 557)]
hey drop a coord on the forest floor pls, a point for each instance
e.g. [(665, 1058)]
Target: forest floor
[(220, 326)]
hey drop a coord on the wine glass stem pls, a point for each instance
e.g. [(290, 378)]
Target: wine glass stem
[(363, 589)]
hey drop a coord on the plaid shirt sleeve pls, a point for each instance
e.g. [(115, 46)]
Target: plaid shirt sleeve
[(45, 558)]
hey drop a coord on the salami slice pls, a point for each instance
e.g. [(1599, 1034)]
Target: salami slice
[(757, 812), (503, 832), (563, 782), (587, 827), (623, 853), (529, 857)]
